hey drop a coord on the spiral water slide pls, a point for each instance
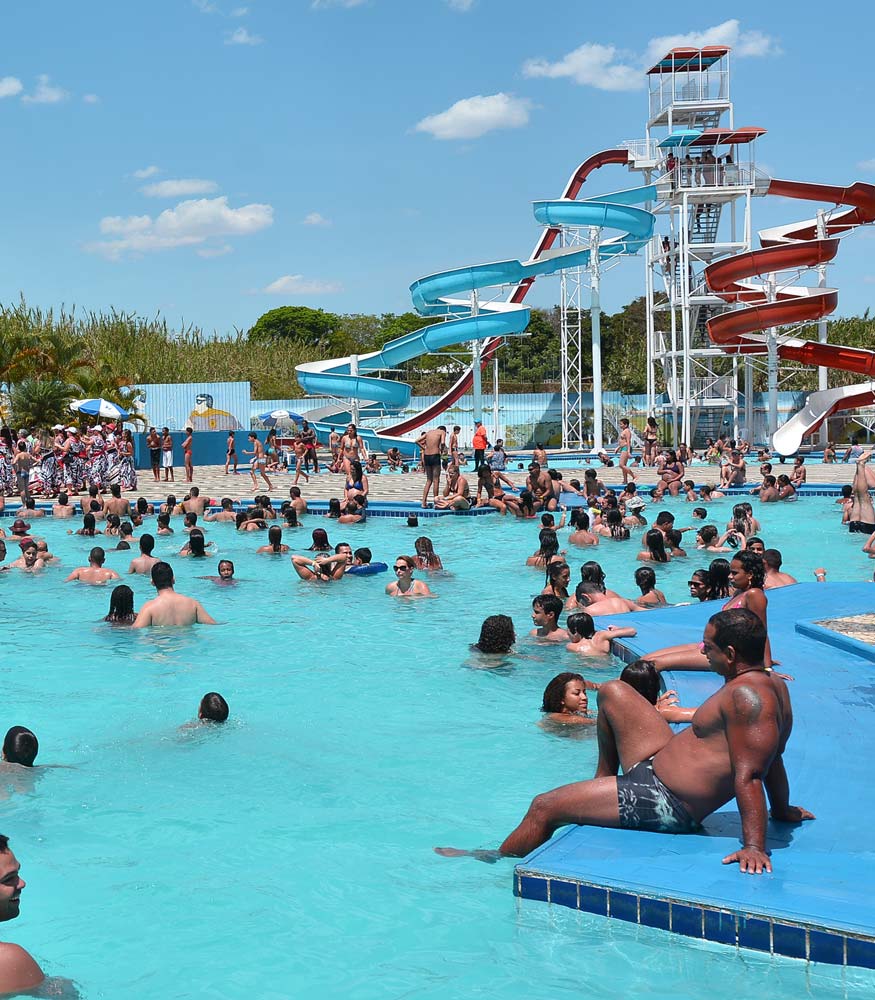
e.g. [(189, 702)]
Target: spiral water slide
[(789, 248), (437, 295)]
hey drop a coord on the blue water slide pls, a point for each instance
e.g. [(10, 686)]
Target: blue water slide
[(436, 295)]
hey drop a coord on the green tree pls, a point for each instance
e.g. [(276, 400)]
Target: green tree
[(311, 326), (40, 402)]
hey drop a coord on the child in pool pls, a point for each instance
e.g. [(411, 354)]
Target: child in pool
[(587, 641)]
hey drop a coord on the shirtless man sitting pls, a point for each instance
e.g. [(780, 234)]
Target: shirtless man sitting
[(95, 573), (168, 607), (733, 749), (539, 483), (19, 973)]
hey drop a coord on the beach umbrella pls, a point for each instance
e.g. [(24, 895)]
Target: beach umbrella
[(99, 408), (279, 417)]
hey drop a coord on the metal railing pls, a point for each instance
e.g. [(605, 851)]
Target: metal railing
[(695, 173), (713, 387), (642, 149), (682, 88)]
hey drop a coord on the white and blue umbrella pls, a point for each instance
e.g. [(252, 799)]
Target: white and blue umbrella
[(99, 408), (279, 417)]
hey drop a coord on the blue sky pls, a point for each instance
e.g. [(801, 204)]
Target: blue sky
[(214, 159)]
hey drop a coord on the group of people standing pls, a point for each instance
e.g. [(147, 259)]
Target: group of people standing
[(65, 459)]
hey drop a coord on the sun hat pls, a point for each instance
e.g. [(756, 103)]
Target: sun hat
[(19, 525)]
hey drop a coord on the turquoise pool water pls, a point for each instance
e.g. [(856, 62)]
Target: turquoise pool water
[(289, 853)]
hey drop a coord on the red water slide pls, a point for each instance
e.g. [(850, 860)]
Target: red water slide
[(793, 247), (546, 241)]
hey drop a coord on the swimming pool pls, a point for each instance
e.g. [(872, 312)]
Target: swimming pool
[(289, 853)]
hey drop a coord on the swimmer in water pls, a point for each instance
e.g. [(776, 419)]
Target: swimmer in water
[(546, 610), (589, 642), (213, 708), (226, 573), (565, 701), (19, 973), (168, 607), (121, 606), (95, 574), (404, 584)]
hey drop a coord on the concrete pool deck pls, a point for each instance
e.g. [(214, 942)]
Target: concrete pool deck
[(819, 902)]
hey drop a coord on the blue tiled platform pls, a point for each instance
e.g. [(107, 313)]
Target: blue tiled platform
[(819, 902)]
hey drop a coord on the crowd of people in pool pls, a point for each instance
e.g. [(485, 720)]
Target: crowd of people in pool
[(646, 776)]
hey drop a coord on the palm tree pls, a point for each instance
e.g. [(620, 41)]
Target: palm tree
[(40, 402)]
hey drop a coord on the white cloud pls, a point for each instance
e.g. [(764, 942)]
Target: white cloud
[(315, 219), (219, 251), (206, 6), (606, 67), (10, 86), (90, 99), (179, 188), (589, 64), (45, 92), (145, 172), (321, 4), (866, 165), (475, 116), (189, 223), (462, 5), (297, 284), (742, 43), (240, 36), (239, 12)]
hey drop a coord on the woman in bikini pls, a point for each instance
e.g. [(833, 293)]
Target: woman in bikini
[(651, 441), (624, 447)]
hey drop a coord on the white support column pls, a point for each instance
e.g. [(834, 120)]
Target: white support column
[(496, 429), (595, 315), (650, 334), (772, 344), (477, 386), (684, 268), (822, 372), (354, 403)]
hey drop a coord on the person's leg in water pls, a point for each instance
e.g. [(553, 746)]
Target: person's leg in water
[(862, 517), (630, 731)]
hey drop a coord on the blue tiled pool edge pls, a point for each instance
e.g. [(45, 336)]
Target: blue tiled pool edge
[(729, 926)]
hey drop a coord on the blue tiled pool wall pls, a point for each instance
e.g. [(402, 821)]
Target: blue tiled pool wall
[(743, 930)]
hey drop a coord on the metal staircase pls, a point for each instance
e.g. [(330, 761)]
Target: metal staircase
[(704, 222)]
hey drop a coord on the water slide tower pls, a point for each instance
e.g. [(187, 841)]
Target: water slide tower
[(706, 180)]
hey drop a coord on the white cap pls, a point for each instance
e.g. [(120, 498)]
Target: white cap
[(58, 427), (72, 428)]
